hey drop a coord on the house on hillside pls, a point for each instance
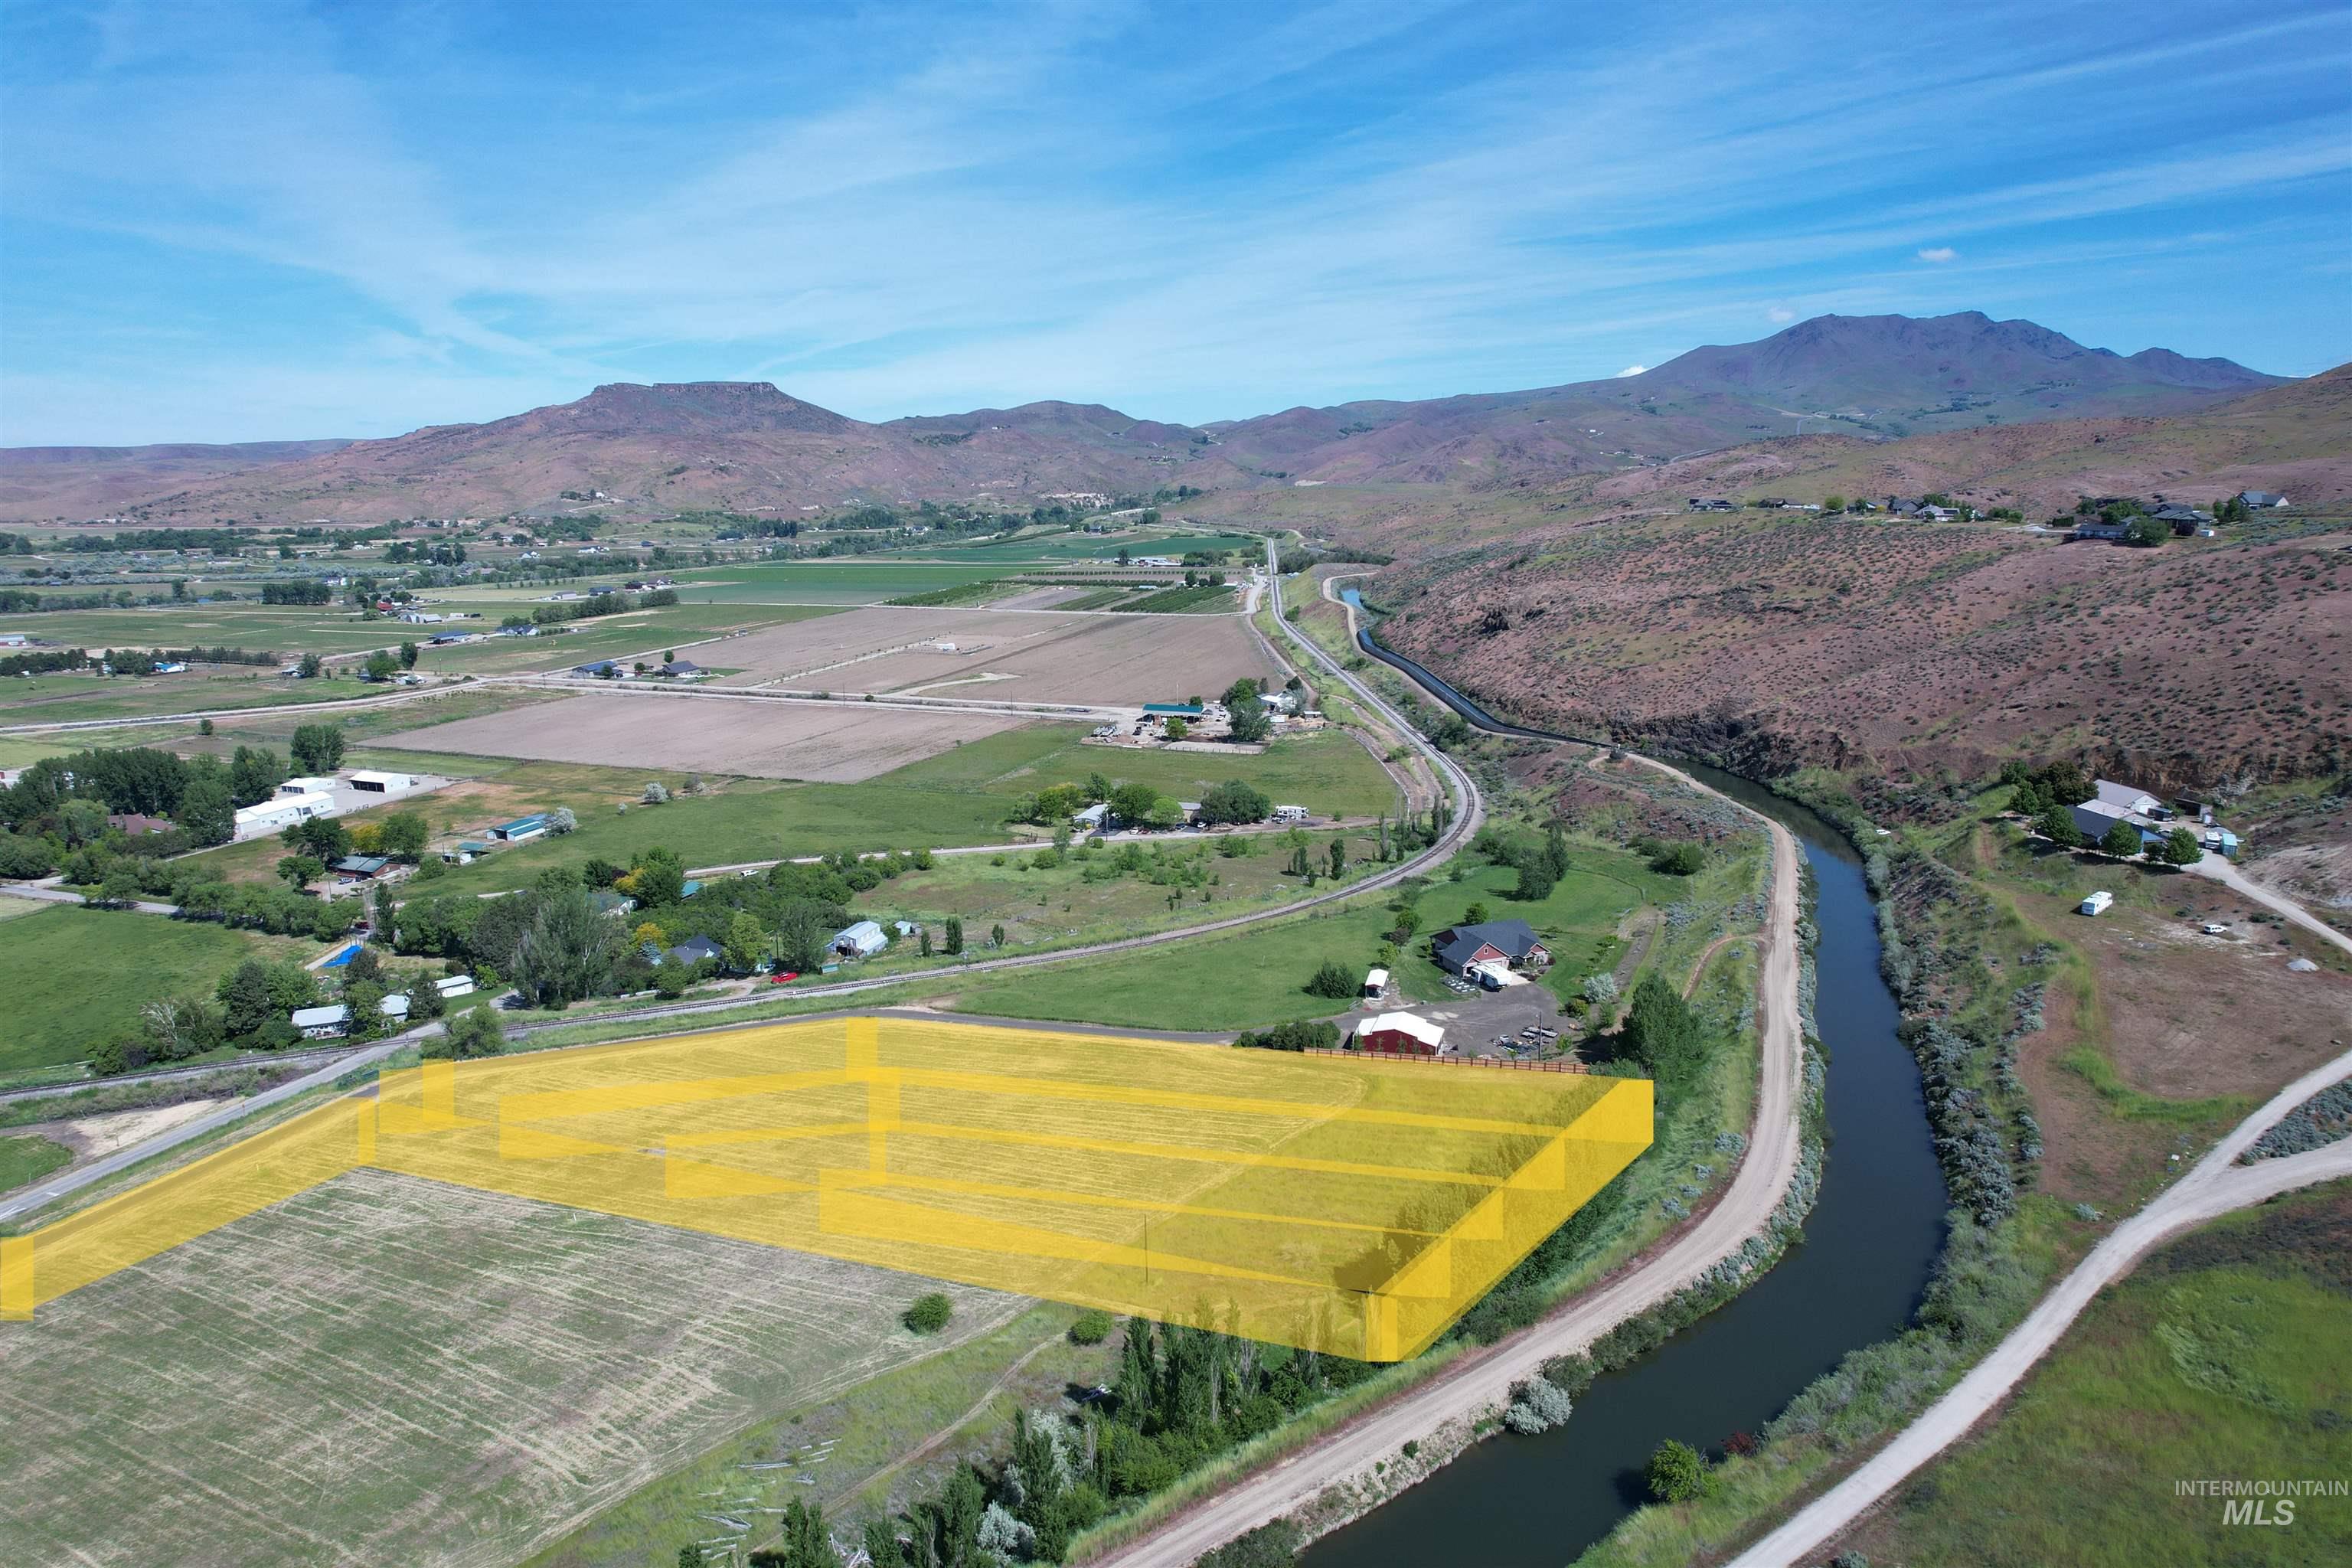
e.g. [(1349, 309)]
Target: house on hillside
[(2183, 520), (2109, 529), (1712, 503), (2096, 819), (363, 867), (1400, 1034), (1905, 506), (1510, 941), (2261, 498)]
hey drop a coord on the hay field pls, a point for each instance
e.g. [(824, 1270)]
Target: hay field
[(839, 745), (386, 1370), (1003, 655)]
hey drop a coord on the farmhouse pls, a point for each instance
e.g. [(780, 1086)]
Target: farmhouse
[(862, 940), (694, 950), (522, 829), (2261, 498), (1511, 942), (1710, 503), (1093, 818), (2101, 528), (139, 823), (679, 667), (1400, 1034), (362, 868), (2096, 819)]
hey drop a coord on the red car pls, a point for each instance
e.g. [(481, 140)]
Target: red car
[(783, 977)]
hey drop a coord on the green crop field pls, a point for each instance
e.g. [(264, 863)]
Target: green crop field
[(1326, 770), (862, 582), (71, 698), (396, 1349), (1091, 547), (641, 633), (2229, 1354), (73, 976), (284, 628)]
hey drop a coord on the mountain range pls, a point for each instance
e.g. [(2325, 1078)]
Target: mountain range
[(749, 446)]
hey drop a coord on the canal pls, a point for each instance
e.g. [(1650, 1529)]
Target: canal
[(1857, 1277)]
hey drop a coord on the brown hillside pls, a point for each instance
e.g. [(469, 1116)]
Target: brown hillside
[(1778, 641)]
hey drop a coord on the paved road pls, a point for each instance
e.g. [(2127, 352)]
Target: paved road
[(1481, 1379), (49, 892), (2214, 1186), (2217, 868), (73, 1181)]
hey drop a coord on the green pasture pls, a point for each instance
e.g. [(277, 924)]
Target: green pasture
[(640, 634), (73, 976), (857, 581)]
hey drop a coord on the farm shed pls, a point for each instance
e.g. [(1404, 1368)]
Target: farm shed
[(1375, 981), (284, 812), (368, 780), (862, 940), (363, 867), (522, 829), (1400, 1034)]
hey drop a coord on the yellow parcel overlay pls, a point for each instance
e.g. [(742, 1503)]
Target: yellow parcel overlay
[(1345, 1204)]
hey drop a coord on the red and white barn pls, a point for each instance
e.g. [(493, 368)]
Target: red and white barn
[(1400, 1034)]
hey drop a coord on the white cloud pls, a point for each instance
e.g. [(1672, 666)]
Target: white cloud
[(1937, 253), (1632, 370), (1779, 313)]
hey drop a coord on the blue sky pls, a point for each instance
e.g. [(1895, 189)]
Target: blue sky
[(241, 222)]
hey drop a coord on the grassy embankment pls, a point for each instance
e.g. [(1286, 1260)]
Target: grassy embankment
[(2227, 1353), (27, 1157)]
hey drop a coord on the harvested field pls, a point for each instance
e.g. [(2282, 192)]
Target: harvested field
[(1029, 657), (385, 1370), (839, 745)]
